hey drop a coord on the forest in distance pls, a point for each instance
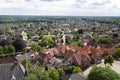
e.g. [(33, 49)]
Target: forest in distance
[(51, 19)]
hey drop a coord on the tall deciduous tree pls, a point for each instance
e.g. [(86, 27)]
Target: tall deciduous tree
[(37, 48), (117, 53), (54, 74), (80, 31), (1, 31), (76, 37), (19, 45), (47, 42), (69, 69), (1, 50), (4, 42), (38, 73), (61, 72), (11, 49), (109, 60), (101, 73), (76, 70)]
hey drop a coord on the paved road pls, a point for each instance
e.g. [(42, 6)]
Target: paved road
[(115, 67)]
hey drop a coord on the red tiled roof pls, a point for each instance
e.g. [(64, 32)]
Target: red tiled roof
[(80, 58), (77, 58), (77, 48), (42, 55), (109, 51), (72, 48), (61, 48), (69, 54), (106, 46), (86, 49), (95, 52), (51, 52)]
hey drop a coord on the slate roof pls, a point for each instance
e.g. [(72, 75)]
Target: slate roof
[(10, 68), (23, 56)]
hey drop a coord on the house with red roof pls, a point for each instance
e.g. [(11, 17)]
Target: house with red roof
[(81, 60), (109, 51), (96, 55)]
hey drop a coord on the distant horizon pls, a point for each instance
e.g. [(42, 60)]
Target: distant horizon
[(61, 15)]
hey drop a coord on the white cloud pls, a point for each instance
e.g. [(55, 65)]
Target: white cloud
[(60, 7)]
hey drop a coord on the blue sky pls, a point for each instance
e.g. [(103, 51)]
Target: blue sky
[(60, 7)]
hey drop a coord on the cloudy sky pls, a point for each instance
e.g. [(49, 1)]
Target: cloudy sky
[(60, 7)]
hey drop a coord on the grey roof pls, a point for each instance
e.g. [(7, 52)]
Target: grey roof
[(76, 76), (34, 61), (23, 56), (10, 70)]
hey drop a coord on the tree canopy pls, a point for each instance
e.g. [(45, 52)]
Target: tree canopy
[(19, 45), (69, 69), (76, 70), (47, 42), (117, 53), (53, 74), (109, 60), (38, 73), (80, 31), (36, 47), (4, 42), (61, 72), (103, 73)]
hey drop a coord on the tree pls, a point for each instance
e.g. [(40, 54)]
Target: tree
[(69, 69), (38, 73), (79, 43), (11, 49), (5, 49), (1, 32), (30, 77), (80, 31), (104, 40), (37, 48), (74, 44), (117, 53), (19, 45), (109, 60), (1, 50), (47, 42), (7, 29), (76, 70), (4, 42), (103, 73), (53, 74), (76, 37), (61, 72), (94, 39), (115, 35)]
